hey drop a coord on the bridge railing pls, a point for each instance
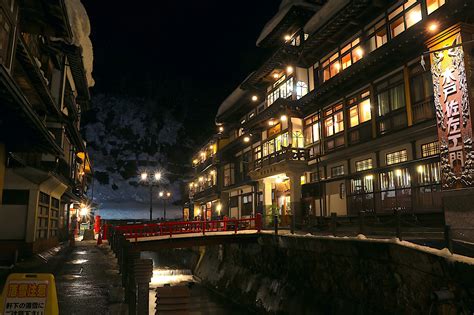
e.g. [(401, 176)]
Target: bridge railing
[(135, 231)]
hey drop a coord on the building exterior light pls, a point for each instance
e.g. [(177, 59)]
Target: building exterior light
[(398, 172), (203, 154), (289, 69), (84, 211), (221, 129), (211, 147), (144, 176), (212, 172), (157, 176), (271, 122), (254, 98), (276, 76), (283, 118), (195, 161), (160, 194), (433, 27), (218, 208), (168, 194), (191, 185), (246, 139), (287, 37), (201, 179), (420, 169), (369, 177), (359, 52)]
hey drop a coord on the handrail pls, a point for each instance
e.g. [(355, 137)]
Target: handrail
[(171, 228)]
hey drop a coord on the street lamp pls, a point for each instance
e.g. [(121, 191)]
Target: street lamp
[(164, 195), (150, 181)]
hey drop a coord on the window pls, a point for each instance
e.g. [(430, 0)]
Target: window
[(433, 5), (390, 101), (275, 144), (428, 190), (361, 194), (343, 58), (337, 171), (334, 121), (301, 89), (404, 16), (281, 89), (5, 29), (363, 165), (359, 110), (429, 173), (257, 153), (430, 149), (311, 129), (247, 206), (43, 216), (395, 187), (396, 157), (298, 139), (229, 174), (54, 219), (377, 35), (421, 90)]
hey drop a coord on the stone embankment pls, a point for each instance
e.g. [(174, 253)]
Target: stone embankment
[(308, 275)]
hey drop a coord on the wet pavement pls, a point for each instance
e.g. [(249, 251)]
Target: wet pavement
[(88, 282)]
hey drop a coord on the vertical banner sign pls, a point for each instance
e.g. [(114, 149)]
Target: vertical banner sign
[(453, 115)]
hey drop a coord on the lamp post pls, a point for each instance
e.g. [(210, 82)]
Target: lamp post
[(164, 195), (150, 181)]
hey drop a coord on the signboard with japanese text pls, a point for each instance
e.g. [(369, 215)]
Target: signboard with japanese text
[(29, 294), (453, 113)]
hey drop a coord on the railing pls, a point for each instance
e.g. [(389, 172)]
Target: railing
[(423, 111), (187, 227), (285, 154)]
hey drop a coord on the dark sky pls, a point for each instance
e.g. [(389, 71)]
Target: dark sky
[(199, 50)]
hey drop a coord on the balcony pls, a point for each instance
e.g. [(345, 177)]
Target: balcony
[(423, 111), (286, 154), (206, 192)]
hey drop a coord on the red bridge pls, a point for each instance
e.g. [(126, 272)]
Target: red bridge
[(185, 233)]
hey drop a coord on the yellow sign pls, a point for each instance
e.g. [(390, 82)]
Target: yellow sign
[(29, 294)]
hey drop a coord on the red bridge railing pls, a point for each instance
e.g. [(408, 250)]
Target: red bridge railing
[(187, 227)]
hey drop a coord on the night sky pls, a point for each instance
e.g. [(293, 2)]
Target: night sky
[(194, 52)]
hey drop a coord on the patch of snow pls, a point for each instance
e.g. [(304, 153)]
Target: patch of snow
[(81, 30), (361, 237)]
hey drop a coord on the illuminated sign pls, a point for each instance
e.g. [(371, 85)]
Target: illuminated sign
[(274, 130), (452, 113)]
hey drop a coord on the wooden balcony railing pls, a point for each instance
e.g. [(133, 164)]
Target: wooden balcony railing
[(285, 154)]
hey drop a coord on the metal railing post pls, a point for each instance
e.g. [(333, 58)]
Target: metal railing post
[(448, 238), (258, 222), (399, 228), (275, 223), (333, 223)]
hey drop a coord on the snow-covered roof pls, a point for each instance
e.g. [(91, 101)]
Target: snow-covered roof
[(230, 101), (329, 9), (81, 30), (285, 7)]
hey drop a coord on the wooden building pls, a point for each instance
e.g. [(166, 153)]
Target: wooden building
[(44, 167), (342, 118)]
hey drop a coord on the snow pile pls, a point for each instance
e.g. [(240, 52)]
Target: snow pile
[(285, 7), (81, 30)]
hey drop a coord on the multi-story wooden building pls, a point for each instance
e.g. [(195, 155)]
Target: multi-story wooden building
[(342, 117), (44, 167)]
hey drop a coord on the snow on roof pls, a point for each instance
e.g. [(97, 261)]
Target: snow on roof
[(81, 30), (324, 14), (233, 98), (285, 7)]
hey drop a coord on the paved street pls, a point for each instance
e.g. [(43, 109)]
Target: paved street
[(88, 282)]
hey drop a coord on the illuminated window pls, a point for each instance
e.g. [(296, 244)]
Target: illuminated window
[(228, 174), (298, 139), (311, 130), (301, 89), (404, 16), (433, 5), (342, 59), (360, 110), (282, 89), (363, 165), (337, 171), (334, 121), (377, 35), (430, 149), (396, 157), (428, 173)]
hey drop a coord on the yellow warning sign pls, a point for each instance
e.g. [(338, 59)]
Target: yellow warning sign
[(29, 294)]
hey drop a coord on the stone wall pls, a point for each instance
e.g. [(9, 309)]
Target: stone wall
[(312, 275)]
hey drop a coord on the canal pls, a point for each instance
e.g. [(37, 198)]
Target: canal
[(201, 300)]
